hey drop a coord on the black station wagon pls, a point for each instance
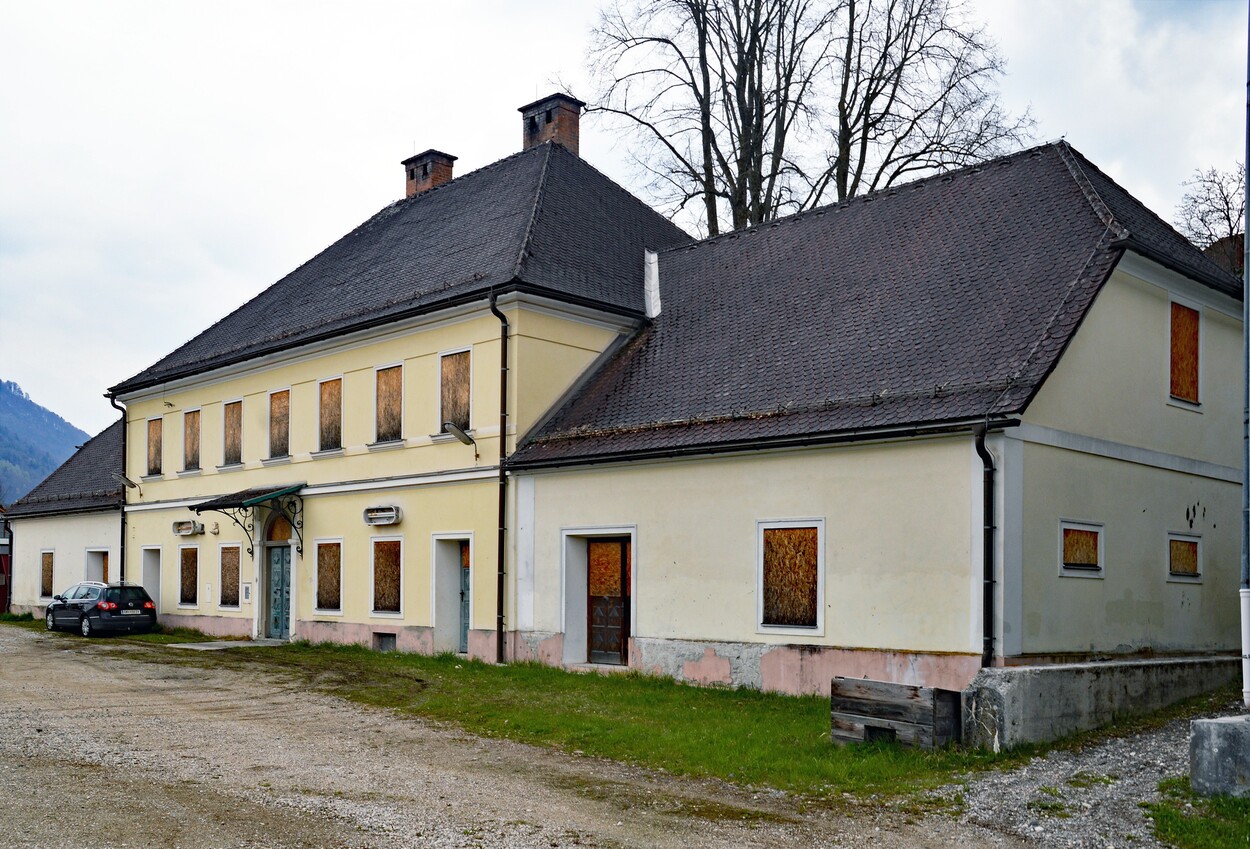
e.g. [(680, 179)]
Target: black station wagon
[(92, 607)]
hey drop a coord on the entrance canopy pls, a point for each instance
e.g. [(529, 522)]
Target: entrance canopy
[(241, 507)]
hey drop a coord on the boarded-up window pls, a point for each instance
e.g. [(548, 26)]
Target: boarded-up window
[(1184, 353), (279, 529), (386, 575), (232, 449), (280, 423), (45, 578), (454, 398), (1080, 548), (791, 576), (329, 575), (331, 414), (1183, 557), (230, 576), (191, 439), (154, 447), (390, 403), (189, 576)]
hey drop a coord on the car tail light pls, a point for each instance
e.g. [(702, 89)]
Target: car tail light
[(148, 605), (107, 605)]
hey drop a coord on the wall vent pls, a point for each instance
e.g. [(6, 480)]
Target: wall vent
[(188, 528), (384, 515)]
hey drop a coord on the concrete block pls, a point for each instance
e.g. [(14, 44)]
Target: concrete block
[(1219, 756)]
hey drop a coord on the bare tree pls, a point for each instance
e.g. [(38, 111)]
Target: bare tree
[(750, 109), (1212, 214)]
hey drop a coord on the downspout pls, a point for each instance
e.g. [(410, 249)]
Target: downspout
[(8, 529), (1244, 592), (987, 547), (121, 548), (503, 475)]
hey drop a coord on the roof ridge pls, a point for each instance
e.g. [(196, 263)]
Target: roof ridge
[(519, 266), (869, 197), (1068, 155)]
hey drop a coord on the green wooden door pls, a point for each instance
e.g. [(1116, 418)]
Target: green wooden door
[(279, 626), (465, 589)]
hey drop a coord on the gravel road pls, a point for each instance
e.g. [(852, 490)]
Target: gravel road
[(102, 748)]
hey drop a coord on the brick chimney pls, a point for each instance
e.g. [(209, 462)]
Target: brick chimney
[(426, 170), (554, 118)]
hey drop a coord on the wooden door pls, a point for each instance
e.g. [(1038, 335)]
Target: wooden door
[(607, 602), (104, 567)]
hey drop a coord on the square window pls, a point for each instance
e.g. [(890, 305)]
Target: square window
[(454, 390), (1184, 557), (230, 558), (329, 575), (191, 440), (387, 575), (154, 446), (1184, 353), (791, 574), (279, 423), (189, 575), (232, 428), (390, 404), (330, 430), (1080, 549)]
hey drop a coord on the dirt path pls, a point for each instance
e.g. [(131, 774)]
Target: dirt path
[(190, 757)]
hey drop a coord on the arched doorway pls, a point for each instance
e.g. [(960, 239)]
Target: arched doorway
[(278, 537)]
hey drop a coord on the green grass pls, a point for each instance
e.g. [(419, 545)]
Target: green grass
[(16, 617), (1189, 821)]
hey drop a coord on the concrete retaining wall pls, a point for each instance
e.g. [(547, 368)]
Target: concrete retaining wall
[(1010, 706)]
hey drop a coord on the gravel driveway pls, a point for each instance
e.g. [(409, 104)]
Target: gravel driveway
[(182, 756)]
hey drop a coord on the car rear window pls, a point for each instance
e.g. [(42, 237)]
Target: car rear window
[(124, 594)]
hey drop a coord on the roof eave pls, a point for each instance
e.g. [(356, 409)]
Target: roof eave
[(1210, 280)]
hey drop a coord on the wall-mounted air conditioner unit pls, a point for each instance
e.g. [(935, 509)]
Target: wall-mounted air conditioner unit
[(385, 515), (188, 528)]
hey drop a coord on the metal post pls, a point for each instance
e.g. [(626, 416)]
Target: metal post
[(1244, 592)]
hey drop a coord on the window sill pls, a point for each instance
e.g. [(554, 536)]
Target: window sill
[(386, 614), (328, 452), (1182, 404), (448, 437), (156, 477), (230, 607), (276, 461), (387, 445), (230, 467), (185, 606), (188, 473), (319, 612), (791, 630), (1069, 572), (1175, 578)]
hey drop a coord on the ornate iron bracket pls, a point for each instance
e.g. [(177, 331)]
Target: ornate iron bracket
[(245, 518), (291, 506)]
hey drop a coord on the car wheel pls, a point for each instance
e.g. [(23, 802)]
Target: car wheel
[(85, 627), (49, 621)]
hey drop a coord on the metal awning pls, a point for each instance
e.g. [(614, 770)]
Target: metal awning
[(241, 508)]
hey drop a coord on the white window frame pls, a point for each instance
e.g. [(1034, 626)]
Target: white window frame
[(224, 465), (51, 551), (1173, 401), (402, 395), (181, 604), (200, 467), (147, 475), (1174, 578), (450, 536), (270, 459), (327, 452), (387, 614), (1077, 572), (316, 570), (762, 525), (438, 402), (222, 546)]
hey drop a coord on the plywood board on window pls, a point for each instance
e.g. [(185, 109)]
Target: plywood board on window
[(1183, 556), (331, 415), (390, 403), (45, 578), (791, 576), (189, 559), (230, 576), (280, 529), (1184, 384), (191, 439), (1080, 548), (279, 423), (232, 451), (386, 575), (454, 396), (154, 447), (329, 563)]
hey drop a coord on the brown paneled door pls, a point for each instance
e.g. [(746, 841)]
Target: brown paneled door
[(607, 603)]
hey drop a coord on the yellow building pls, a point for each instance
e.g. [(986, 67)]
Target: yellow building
[(324, 463)]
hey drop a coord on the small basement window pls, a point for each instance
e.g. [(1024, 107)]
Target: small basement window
[(1080, 549), (1184, 557)]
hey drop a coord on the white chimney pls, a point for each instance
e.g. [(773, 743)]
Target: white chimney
[(651, 282)]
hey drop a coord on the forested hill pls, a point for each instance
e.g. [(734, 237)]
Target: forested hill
[(33, 442)]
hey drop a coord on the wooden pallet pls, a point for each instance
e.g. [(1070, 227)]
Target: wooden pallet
[(863, 710)]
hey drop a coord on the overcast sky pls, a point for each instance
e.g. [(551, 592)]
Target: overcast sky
[(162, 162)]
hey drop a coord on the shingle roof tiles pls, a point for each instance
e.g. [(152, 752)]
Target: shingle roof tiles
[(542, 218), (82, 483), (942, 300)]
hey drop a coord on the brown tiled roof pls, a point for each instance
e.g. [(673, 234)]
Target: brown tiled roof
[(81, 484), (942, 301)]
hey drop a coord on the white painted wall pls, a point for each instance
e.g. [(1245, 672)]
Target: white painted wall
[(69, 538)]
